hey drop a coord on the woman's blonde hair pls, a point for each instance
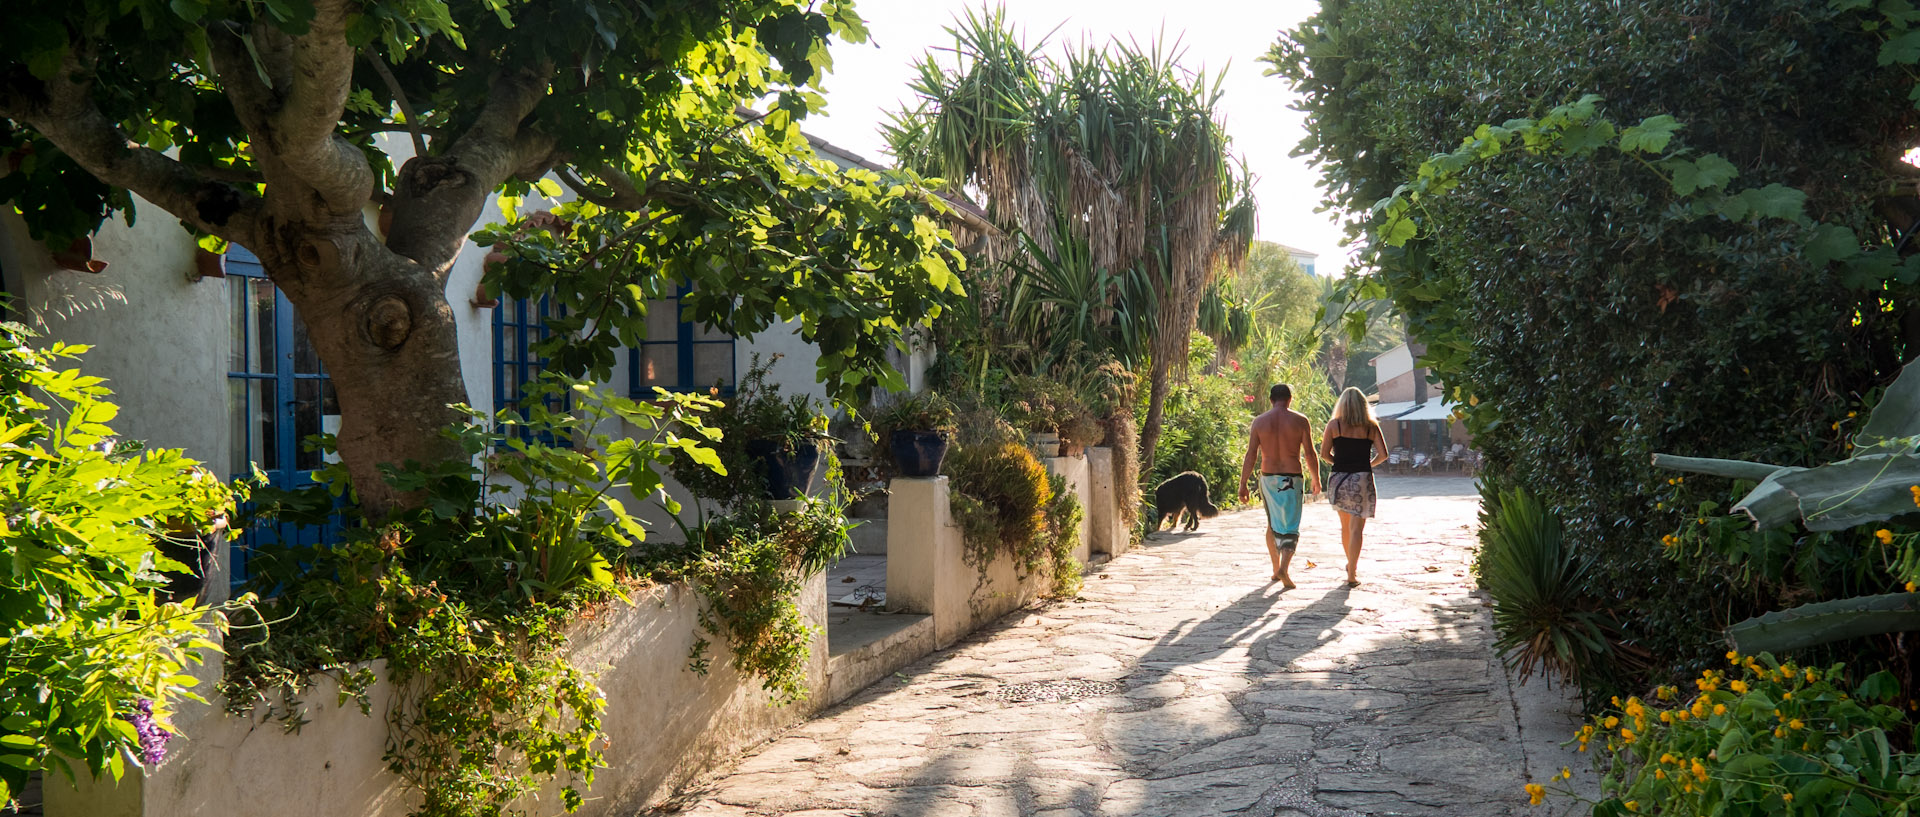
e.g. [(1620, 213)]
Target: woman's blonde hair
[(1352, 411)]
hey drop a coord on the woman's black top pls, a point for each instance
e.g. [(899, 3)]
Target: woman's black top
[(1353, 455)]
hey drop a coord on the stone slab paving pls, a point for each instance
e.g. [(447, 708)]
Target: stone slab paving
[(1224, 694)]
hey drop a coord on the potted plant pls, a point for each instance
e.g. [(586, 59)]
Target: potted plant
[(1043, 410), (917, 428), (772, 446), (789, 437)]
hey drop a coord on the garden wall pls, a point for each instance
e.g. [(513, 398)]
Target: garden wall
[(664, 724), (927, 567)]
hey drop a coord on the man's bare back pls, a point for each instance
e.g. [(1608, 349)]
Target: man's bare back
[(1281, 435)]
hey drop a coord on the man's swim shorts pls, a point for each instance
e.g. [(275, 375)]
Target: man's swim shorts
[(1282, 495)]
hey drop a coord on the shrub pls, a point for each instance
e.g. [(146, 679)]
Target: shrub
[(1010, 493), (1206, 431), (1062, 534), (1769, 738), (467, 597), (1542, 615), (1573, 300), (91, 660)]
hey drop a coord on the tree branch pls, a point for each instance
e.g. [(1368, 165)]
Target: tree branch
[(439, 198), (400, 98), (63, 111), (305, 128), (625, 194)]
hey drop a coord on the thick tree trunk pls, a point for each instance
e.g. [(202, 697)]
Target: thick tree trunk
[(1156, 404), (386, 334)]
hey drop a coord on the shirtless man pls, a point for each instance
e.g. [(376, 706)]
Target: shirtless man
[(1280, 438)]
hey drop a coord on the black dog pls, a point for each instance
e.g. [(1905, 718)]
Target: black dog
[(1185, 494)]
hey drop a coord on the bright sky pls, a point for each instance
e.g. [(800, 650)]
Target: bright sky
[(870, 80)]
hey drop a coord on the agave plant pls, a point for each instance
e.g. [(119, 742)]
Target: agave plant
[(1874, 485)]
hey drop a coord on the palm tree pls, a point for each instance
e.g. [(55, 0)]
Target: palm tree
[(1116, 150)]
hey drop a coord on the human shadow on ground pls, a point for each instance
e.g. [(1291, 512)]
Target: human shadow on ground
[(1209, 658)]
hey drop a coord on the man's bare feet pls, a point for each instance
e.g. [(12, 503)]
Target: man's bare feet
[(1286, 583)]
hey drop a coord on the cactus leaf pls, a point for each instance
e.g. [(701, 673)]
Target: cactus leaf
[(1770, 505), (1734, 469), (1895, 420), (1856, 491), (1813, 624)]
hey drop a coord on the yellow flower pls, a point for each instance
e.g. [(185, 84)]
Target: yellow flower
[(1796, 724), (1779, 733), (1910, 587), (1679, 480), (1566, 773), (1788, 696), (1610, 722), (1811, 676), (1699, 769), (1633, 805), (1666, 717), (1885, 536), (1535, 794), (1915, 490), (1626, 736), (1738, 686), (1733, 657), (1719, 709), (1786, 796), (1659, 774)]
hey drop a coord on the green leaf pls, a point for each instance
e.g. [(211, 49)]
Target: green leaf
[(1831, 242), (1650, 136), (1903, 48)]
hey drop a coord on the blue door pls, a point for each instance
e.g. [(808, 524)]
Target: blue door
[(278, 395)]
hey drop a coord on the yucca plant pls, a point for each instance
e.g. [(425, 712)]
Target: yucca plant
[(1542, 621), (1116, 148)]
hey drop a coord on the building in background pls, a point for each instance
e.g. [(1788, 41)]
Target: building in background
[(1415, 417), (1302, 257)]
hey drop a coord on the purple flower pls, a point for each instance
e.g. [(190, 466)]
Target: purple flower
[(153, 737)]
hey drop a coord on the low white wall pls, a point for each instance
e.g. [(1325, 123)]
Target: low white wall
[(927, 570), (664, 724)]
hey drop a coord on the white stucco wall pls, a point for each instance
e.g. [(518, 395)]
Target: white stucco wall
[(159, 339)]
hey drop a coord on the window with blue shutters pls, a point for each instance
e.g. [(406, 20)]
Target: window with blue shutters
[(518, 325), (278, 395), (679, 355)]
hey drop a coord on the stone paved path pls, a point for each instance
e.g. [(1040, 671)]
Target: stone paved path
[(1230, 696)]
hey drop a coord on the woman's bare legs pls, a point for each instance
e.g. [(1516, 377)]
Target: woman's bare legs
[(1352, 529)]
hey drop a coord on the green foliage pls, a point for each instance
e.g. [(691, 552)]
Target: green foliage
[(1042, 405), (1064, 514), (1599, 287), (1207, 421), (1541, 612), (1770, 739), (757, 411), (751, 565), (763, 233), (1007, 496), (466, 597), (85, 633)]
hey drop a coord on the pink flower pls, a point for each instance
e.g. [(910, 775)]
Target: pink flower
[(1234, 363), (1247, 397)]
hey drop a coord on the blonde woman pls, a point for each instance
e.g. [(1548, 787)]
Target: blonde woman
[(1353, 445)]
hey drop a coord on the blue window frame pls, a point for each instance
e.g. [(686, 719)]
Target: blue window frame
[(278, 394), (519, 324), (679, 355)]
